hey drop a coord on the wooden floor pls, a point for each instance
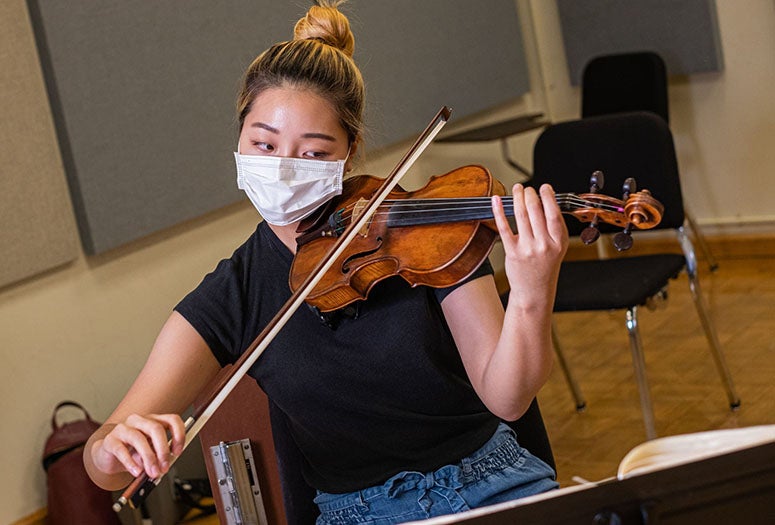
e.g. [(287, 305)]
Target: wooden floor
[(687, 393)]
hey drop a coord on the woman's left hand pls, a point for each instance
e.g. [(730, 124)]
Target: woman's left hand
[(534, 252)]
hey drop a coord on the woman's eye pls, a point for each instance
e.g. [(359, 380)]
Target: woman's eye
[(317, 154), (263, 146)]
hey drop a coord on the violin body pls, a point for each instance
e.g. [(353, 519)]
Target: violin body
[(437, 255)]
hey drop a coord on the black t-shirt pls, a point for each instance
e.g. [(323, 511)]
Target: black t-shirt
[(381, 393)]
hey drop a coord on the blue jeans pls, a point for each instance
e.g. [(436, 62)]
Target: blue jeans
[(499, 471)]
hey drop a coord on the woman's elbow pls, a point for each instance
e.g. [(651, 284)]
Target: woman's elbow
[(511, 411)]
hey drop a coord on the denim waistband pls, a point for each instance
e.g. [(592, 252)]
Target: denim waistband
[(498, 452)]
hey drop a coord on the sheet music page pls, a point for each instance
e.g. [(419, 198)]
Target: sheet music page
[(670, 451)]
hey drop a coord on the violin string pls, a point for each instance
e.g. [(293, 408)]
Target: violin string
[(409, 209), (483, 203), (409, 206)]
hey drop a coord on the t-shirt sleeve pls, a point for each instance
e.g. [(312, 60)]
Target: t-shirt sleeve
[(214, 309), (484, 269)]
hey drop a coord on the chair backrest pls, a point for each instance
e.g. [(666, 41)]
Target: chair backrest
[(621, 145), (625, 82)]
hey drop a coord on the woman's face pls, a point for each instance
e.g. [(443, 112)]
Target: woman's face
[(290, 122)]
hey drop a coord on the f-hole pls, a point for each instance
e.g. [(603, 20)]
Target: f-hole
[(349, 260)]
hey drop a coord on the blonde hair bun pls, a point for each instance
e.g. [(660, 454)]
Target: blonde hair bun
[(325, 22)]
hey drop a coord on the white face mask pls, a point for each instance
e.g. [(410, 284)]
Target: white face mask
[(284, 189)]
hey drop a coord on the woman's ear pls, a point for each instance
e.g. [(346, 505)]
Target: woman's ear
[(348, 167)]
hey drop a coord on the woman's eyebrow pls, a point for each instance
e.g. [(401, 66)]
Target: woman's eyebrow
[(310, 135), (265, 126), (318, 136)]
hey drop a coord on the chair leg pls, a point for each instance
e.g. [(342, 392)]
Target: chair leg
[(578, 397), (707, 325), (639, 364), (701, 241)]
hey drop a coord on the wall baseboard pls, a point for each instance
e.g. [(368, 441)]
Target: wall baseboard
[(36, 518)]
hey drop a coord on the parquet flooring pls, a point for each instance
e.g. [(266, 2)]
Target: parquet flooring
[(687, 392)]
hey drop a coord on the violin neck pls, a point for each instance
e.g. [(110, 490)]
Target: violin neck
[(415, 212)]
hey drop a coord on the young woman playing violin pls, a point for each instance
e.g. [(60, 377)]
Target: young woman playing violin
[(397, 410)]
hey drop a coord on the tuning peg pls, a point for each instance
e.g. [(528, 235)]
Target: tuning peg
[(590, 234), (629, 187), (623, 239), (596, 181)]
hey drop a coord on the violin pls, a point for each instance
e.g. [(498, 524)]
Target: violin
[(438, 235)]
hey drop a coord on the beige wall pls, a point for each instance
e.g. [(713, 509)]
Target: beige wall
[(83, 331)]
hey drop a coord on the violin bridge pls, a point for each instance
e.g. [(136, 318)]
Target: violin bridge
[(358, 208)]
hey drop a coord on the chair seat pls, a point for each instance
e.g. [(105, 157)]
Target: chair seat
[(629, 281)]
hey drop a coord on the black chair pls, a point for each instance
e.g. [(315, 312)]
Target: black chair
[(635, 81), (298, 495), (623, 145), (625, 82)]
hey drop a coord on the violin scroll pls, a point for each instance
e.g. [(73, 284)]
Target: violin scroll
[(643, 210), (637, 209)]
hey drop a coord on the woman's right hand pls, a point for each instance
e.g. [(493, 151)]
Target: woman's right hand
[(140, 444), (145, 432)]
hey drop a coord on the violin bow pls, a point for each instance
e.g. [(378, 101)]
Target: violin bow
[(142, 485)]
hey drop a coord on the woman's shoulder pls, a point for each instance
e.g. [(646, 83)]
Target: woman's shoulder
[(247, 264), (259, 250)]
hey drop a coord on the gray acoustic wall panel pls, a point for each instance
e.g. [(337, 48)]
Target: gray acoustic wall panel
[(143, 92), (684, 32), (37, 228), (143, 97), (419, 55)]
